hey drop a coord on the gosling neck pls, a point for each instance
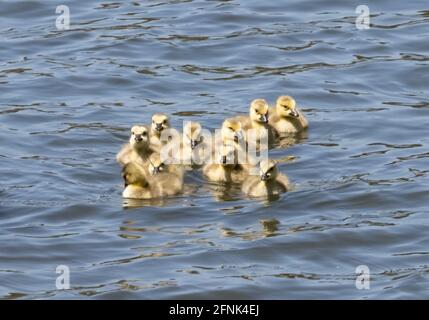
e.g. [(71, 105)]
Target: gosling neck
[(141, 147), (268, 182), (156, 133), (259, 124)]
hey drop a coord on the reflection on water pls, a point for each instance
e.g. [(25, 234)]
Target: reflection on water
[(360, 173)]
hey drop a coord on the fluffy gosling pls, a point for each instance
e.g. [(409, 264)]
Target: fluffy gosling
[(194, 149), (258, 121), (137, 185), (138, 149), (226, 169), (287, 118), (168, 178), (160, 122), (269, 182)]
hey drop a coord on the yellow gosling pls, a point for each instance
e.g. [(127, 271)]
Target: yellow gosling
[(137, 185), (269, 182), (138, 149), (287, 118), (168, 178), (160, 122), (194, 149), (226, 169), (258, 121)]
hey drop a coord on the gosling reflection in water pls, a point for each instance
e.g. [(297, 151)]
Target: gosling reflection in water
[(222, 192), (270, 228), (128, 203), (289, 140)]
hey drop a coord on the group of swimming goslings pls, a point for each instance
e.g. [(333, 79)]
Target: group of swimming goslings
[(148, 173)]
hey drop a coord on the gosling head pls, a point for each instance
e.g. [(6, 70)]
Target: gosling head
[(160, 122), (231, 130), (155, 164), (132, 175), (192, 133), (259, 110), (268, 170), (139, 136), (286, 107)]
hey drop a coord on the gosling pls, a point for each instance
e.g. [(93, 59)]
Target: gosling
[(168, 178), (156, 165), (160, 122), (136, 183), (138, 149), (227, 169), (194, 149), (286, 118), (231, 133), (269, 183), (192, 134), (258, 121)]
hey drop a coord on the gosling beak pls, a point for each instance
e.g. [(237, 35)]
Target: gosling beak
[(264, 177), (138, 138), (155, 170), (238, 135), (194, 144), (158, 127), (264, 118), (294, 113)]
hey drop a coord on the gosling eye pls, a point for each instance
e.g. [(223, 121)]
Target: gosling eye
[(153, 121), (132, 133), (144, 133), (165, 121), (231, 129)]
